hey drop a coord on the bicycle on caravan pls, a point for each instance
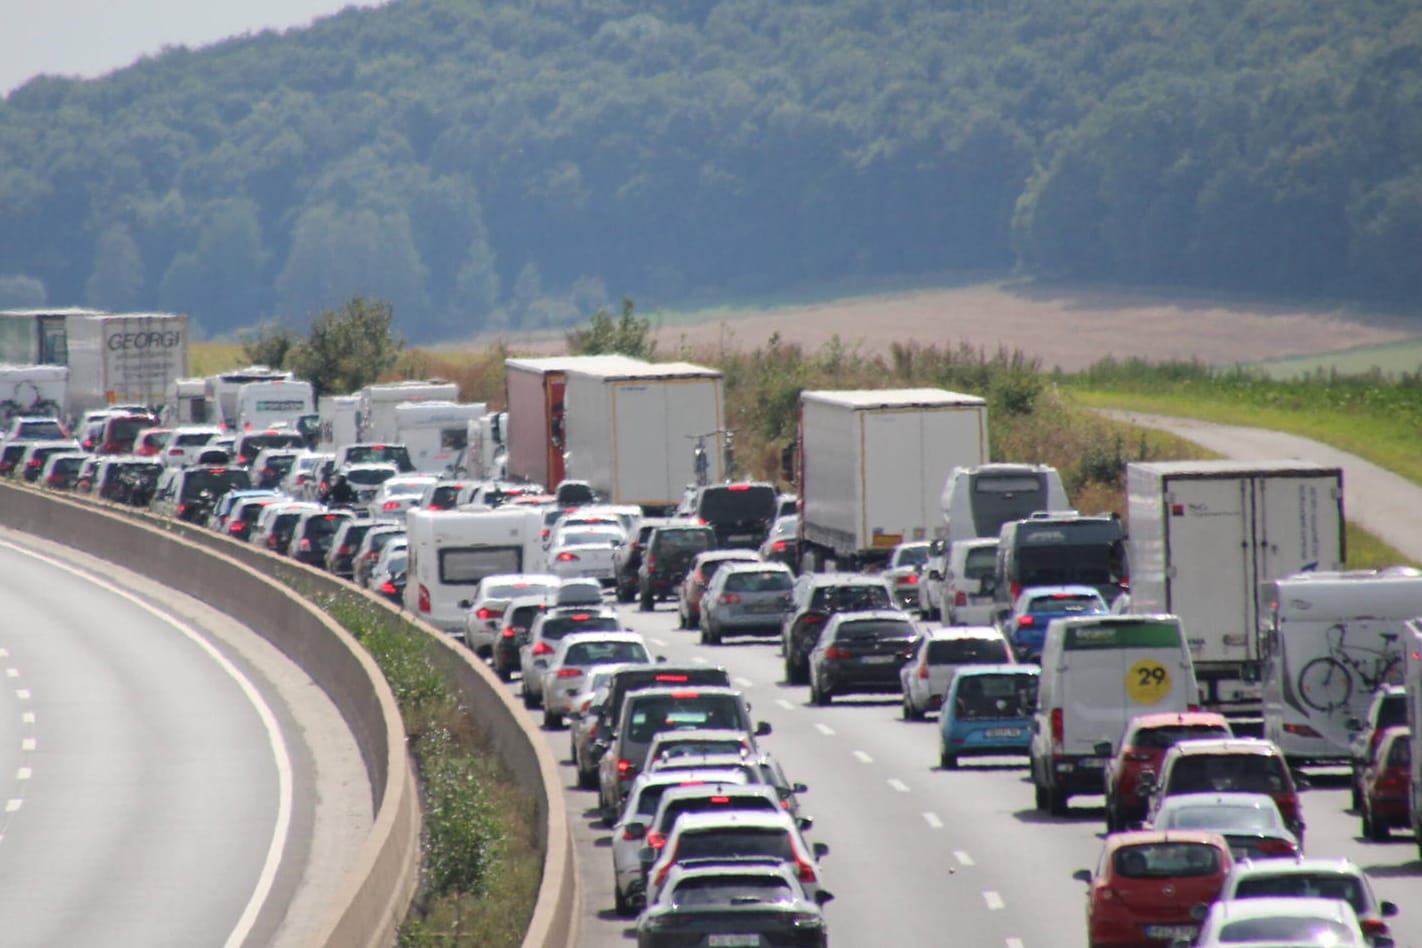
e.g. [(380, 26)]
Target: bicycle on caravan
[(701, 461), (1326, 682)]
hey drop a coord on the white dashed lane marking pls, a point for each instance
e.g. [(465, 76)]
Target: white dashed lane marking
[(28, 744), (863, 758), (743, 682), (12, 805), (824, 729), (898, 785), (12, 673), (699, 659), (933, 821), (782, 703), (23, 773), (659, 643), (22, 693), (28, 717), (1014, 943), (994, 901)]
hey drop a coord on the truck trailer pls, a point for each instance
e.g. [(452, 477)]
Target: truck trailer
[(33, 390), (129, 358), (632, 428), (872, 468), (1204, 536)]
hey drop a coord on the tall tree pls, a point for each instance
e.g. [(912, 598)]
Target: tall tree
[(348, 348)]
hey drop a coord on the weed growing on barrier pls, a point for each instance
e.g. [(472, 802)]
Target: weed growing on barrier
[(481, 867)]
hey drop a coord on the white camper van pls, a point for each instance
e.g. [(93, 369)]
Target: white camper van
[(1330, 640), (1098, 672), (451, 550), (273, 403), (436, 433)]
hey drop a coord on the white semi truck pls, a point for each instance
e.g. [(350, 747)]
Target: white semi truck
[(1204, 536), (129, 358), (632, 428), (872, 468)]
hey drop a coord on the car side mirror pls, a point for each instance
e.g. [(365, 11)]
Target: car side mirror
[(1387, 909), (822, 896), (1082, 875), (821, 850), (1102, 749), (806, 823), (799, 788), (635, 830), (661, 659), (762, 728)]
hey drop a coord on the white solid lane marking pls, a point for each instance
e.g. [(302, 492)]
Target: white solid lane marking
[(12, 805), (898, 785), (824, 729), (782, 703), (933, 821), (742, 682), (862, 757), (22, 693), (24, 773), (963, 858), (28, 744), (994, 901)]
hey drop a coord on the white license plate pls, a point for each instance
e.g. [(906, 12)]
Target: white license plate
[(1091, 763), (1170, 932), (878, 659), (742, 538), (733, 941), (1004, 732)]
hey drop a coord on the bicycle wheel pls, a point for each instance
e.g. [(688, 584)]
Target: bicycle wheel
[(1325, 684)]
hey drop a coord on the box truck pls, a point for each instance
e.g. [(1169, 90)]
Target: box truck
[(124, 359), (1411, 645), (338, 415), (376, 418), (533, 390), (872, 467), (632, 428), (436, 433), (33, 390), (1203, 538), (1331, 640)]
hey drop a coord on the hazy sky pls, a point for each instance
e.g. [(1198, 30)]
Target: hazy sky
[(91, 37)]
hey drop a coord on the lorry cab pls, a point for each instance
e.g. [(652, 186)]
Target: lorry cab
[(452, 550), (1099, 672)]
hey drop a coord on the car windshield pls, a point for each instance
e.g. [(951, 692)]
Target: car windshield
[(968, 652), (995, 696), (1161, 738), (1166, 860), (913, 556), (724, 841), (1324, 885), (1277, 930), (1254, 773), (1220, 817), (732, 890), (758, 581)]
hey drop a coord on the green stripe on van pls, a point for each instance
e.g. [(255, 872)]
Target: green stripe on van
[(1122, 635)]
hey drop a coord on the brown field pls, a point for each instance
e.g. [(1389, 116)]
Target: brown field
[(1065, 327)]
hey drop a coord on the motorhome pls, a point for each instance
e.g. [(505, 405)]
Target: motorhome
[(436, 433)]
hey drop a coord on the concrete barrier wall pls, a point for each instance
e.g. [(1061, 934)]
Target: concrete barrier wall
[(382, 884)]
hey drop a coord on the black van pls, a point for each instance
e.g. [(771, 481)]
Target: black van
[(741, 513), (1057, 549)]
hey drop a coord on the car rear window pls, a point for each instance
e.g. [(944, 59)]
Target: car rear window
[(1226, 819), (396, 454), (871, 630), (699, 747), (555, 627), (522, 617), (728, 841), (1325, 885), (652, 715), (1065, 603), (759, 581), (465, 566), (1160, 738), (1166, 860), (324, 525), (850, 598), (720, 801), (723, 889), (605, 653), (913, 556), (1392, 710), (995, 696), (684, 539), (1401, 753), (1202, 773), (967, 652), (192, 438), (604, 536), (1290, 930), (738, 502)]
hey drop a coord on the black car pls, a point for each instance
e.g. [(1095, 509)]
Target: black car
[(627, 558), (761, 901), (669, 553), (741, 514), (518, 619), (312, 534), (861, 651), (782, 545), (815, 598)]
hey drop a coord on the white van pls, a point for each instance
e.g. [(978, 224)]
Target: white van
[(278, 402), (1330, 641), (436, 432), (1098, 672), (451, 550)]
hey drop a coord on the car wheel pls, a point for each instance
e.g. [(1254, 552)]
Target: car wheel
[(1056, 802), (1357, 794), (946, 760), (503, 671), (1113, 822), (626, 593), (1040, 796), (911, 713), (681, 622), (645, 605), (527, 697), (552, 720), (587, 779), (713, 635), (621, 904)]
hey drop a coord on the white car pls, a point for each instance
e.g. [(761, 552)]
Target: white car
[(484, 618), (585, 551), (398, 494), (1311, 878), (1272, 922), (936, 657), (904, 570), (548, 628), (739, 833), (396, 549), (968, 577), (574, 657), (300, 481), (186, 443)]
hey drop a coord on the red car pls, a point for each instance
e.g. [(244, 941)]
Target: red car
[(1146, 739), (1152, 887), (151, 442), (1386, 784)]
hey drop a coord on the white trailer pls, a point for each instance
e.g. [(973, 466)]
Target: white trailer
[(872, 467), (128, 358), (451, 550), (273, 403), (1204, 536), (485, 450), (376, 418), (1331, 640), (338, 414), (436, 433), (33, 390), (221, 390), (631, 428)]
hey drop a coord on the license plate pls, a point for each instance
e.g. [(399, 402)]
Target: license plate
[(1004, 732), (878, 659), (1170, 932), (733, 941), (741, 538), (766, 607), (1092, 763)]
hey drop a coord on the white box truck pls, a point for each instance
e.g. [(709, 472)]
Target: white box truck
[(127, 358), (451, 550), (632, 428), (33, 390), (1330, 641), (376, 419), (1204, 536), (436, 433), (872, 467)]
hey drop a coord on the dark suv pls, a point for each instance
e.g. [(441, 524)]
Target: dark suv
[(669, 552), (741, 514), (627, 558), (816, 597)]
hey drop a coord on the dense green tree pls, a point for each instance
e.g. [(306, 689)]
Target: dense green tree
[(347, 348)]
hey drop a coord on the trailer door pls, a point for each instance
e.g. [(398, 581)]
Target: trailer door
[(1209, 523)]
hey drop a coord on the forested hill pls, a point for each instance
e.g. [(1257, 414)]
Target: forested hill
[(519, 162)]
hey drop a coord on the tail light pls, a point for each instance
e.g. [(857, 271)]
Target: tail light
[(305, 545), (111, 447), (628, 834), (272, 540), (805, 870), (960, 598), (388, 588), (390, 505), (1276, 847), (55, 479), (484, 612), (923, 672), (778, 546), (910, 580), (543, 648), (182, 509), (834, 653), (566, 557), (570, 673), (35, 462), (814, 620), (625, 769), (729, 599), (1373, 927), (651, 562), (1058, 726), (236, 526), (1025, 621), (656, 840), (1015, 589), (344, 550), (265, 472), (424, 598), (508, 632)]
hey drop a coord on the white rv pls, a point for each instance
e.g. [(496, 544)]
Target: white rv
[(436, 433), (339, 417), (451, 550), (1331, 639), (221, 391), (276, 403), (376, 421)]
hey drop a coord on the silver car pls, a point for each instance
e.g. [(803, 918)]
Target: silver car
[(905, 569), (575, 656), (585, 551), (936, 657), (745, 599), (484, 615)]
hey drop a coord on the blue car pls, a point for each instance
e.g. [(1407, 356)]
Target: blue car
[(987, 712), (1037, 606)]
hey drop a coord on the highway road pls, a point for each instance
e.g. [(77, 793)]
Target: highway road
[(166, 778)]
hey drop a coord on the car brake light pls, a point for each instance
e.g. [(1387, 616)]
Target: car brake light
[(909, 580), (729, 599), (570, 673), (656, 840), (778, 546), (960, 598), (305, 545), (682, 695), (814, 620), (923, 672), (236, 526), (1025, 621), (1058, 726), (738, 487), (542, 648), (806, 871), (834, 652), (566, 557), (580, 617), (625, 770), (672, 678), (720, 799), (343, 550), (1392, 780), (390, 505), (55, 478), (508, 632), (1276, 847), (424, 599), (1373, 926), (484, 612), (388, 588)]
